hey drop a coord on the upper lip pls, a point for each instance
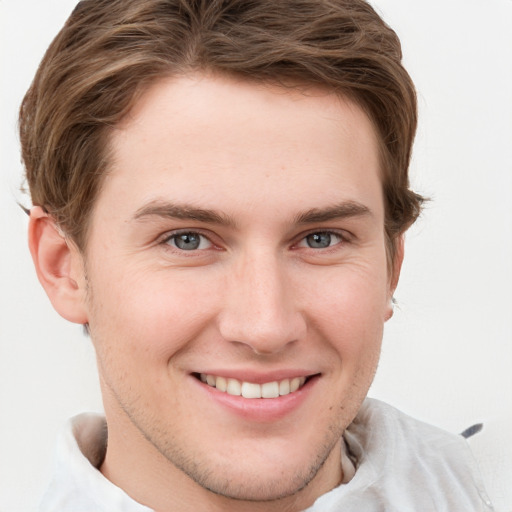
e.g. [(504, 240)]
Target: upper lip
[(258, 377)]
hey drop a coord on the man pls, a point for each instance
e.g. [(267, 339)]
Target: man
[(220, 195)]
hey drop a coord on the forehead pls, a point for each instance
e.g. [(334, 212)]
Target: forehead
[(219, 143)]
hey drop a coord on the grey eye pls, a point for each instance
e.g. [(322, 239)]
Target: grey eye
[(189, 241), (321, 240)]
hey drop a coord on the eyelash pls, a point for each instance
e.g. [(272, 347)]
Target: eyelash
[(342, 236), (175, 235), (342, 239)]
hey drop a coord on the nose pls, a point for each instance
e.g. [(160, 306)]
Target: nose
[(260, 308)]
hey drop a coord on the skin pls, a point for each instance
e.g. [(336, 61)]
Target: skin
[(270, 167)]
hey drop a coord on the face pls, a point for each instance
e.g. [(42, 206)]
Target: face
[(237, 250)]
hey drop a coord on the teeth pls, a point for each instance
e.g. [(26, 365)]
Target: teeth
[(294, 384), (234, 387), (252, 390), (284, 387), (221, 384), (270, 390)]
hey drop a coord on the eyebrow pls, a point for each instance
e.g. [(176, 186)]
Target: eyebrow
[(162, 209), (343, 210), (185, 212)]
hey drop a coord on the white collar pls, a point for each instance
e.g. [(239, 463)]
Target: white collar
[(402, 465)]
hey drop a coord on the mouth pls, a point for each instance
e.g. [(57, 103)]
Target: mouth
[(245, 389)]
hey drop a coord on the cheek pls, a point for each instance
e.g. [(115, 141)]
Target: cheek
[(354, 295), (349, 313), (146, 315)]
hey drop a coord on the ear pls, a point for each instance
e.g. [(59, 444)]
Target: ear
[(394, 276), (59, 266), (397, 264)]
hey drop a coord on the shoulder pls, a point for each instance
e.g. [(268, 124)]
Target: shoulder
[(77, 485), (385, 420), (414, 464)]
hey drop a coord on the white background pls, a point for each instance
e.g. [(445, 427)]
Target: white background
[(447, 353)]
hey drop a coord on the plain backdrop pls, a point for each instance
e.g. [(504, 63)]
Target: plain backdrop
[(447, 352)]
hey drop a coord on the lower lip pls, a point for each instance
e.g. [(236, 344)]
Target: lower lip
[(260, 409)]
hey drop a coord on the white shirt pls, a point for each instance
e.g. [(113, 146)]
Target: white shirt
[(402, 465)]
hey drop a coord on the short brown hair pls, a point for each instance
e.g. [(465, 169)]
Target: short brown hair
[(109, 51)]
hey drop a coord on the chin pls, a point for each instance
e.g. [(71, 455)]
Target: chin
[(257, 488), (264, 476)]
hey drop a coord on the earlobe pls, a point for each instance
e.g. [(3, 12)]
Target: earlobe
[(58, 266)]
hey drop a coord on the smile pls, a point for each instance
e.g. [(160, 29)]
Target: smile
[(252, 390)]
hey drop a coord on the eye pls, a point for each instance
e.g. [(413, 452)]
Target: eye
[(321, 240), (188, 241)]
